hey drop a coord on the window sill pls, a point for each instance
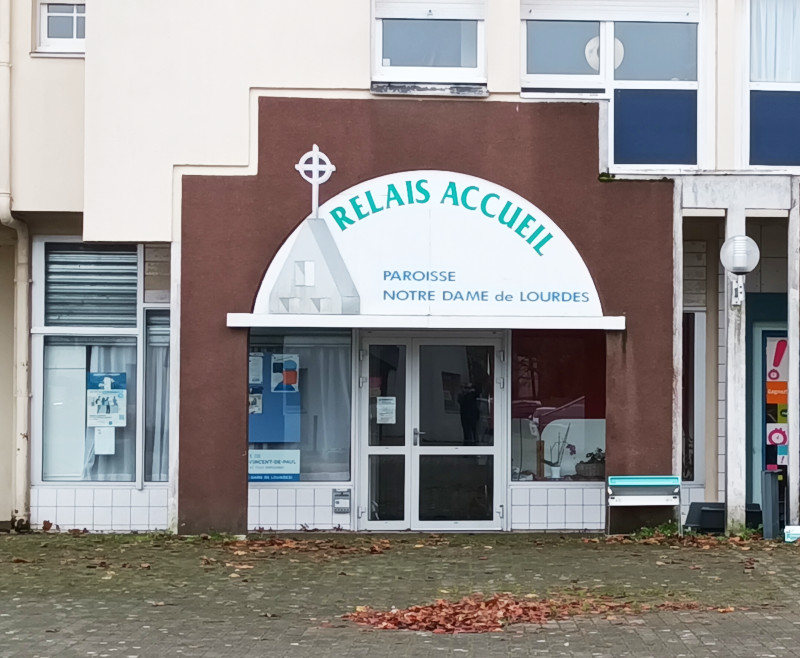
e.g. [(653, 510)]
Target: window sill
[(46, 54), (467, 90)]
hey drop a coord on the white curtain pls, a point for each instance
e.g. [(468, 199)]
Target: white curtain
[(775, 40), (325, 404), (156, 427), (121, 466)]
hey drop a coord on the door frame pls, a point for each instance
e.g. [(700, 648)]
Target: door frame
[(500, 340)]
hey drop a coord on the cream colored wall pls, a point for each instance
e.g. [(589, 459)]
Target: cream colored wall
[(170, 95), (47, 122), (731, 61), (6, 373)]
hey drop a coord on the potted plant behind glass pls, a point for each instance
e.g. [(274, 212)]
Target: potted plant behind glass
[(594, 466)]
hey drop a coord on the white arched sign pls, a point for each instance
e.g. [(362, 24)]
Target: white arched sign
[(428, 249)]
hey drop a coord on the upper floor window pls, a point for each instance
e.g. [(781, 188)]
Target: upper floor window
[(62, 27), (644, 61), (429, 43), (774, 82)]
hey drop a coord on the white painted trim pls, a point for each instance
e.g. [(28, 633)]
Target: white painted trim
[(609, 322), (793, 333), (700, 319), (175, 354), (141, 396), (677, 329)]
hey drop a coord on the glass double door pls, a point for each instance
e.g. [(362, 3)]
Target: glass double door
[(429, 457)]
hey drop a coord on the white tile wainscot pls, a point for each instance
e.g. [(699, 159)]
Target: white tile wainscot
[(100, 508), (282, 507), (558, 506)]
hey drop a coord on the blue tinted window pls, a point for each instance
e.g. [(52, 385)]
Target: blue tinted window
[(775, 127), (655, 126)]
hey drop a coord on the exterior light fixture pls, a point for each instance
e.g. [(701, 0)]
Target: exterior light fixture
[(739, 256)]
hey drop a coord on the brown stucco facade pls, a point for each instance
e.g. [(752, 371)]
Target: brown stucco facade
[(232, 226)]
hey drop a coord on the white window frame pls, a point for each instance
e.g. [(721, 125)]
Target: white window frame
[(46, 44), (39, 330), (749, 86), (574, 87), (431, 10)]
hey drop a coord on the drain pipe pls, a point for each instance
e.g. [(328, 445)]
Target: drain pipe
[(21, 414)]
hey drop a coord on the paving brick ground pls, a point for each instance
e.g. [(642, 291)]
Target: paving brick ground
[(66, 596)]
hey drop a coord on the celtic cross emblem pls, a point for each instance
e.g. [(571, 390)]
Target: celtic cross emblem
[(315, 168)]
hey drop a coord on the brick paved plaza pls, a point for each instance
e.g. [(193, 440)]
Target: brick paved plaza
[(123, 596)]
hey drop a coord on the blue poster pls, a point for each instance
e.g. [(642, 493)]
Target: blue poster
[(274, 398), (106, 399)]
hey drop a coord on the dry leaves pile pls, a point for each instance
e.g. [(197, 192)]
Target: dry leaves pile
[(322, 549), (703, 542), (476, 614)]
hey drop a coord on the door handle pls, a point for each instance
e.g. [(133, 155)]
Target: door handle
[(417, 434)]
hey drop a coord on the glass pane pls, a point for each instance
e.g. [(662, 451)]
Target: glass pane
[(655, 126), (80, 27), (456, 395), (657, 51), (558, 398), (156, 397), (387, 395), (563, 47), (430, 43), (60, 9), (89, 409), (456, 487), (59, 27), (774, 41), (774, 134), (687, 397), (299, 406), (387, 481)]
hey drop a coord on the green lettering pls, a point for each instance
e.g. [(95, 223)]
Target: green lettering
[(426, 196), (451, 193), (523, 225), (508, 222), (357, 208), (393, 195), (538, 247), (409, 192), (371, 202), (464, 194), (340, 216), (485, 199), (533, 235)]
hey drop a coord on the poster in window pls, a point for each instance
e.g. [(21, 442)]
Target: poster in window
[(273, 465), (256, 403), (386, 410), (105, 440), (106, 399), (255, 369), (285, 373)]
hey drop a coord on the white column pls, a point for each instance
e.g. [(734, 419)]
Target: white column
[(736, 391), (677, 329), (793, 319)]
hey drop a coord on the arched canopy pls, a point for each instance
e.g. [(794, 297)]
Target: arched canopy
[(428, 249)]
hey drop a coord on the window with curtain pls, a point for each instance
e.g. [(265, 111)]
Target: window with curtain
[(156, 403), (91, 389), (299, 406), (89, 403), (774, 82)]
